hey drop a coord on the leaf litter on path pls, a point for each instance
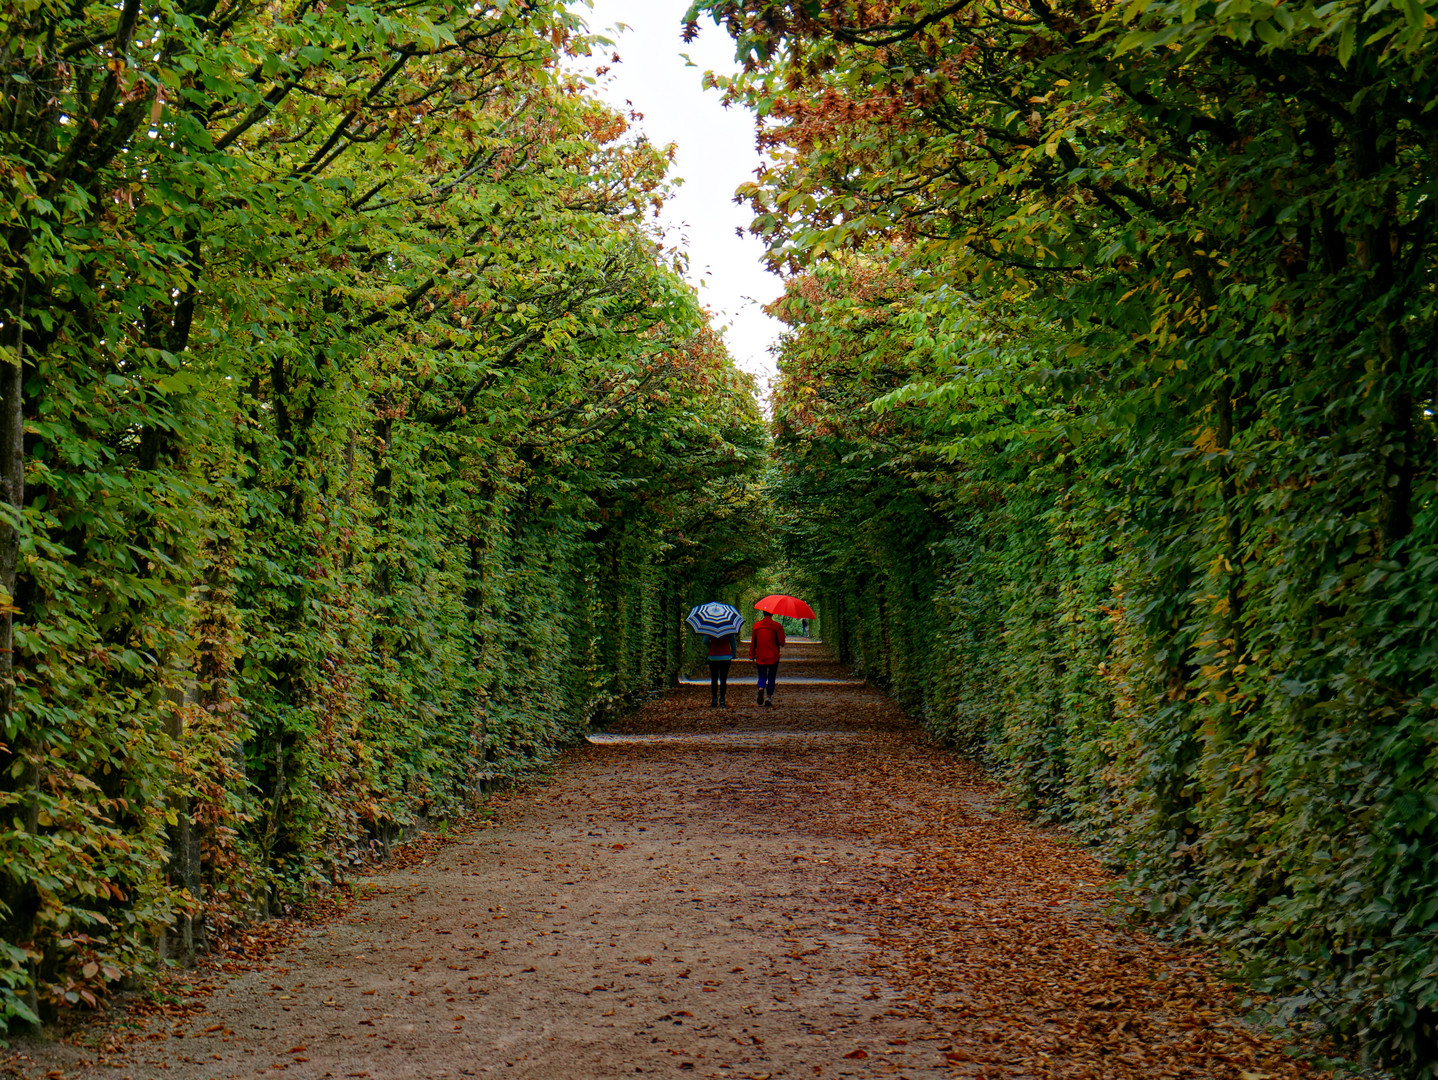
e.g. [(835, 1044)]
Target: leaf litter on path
[(822, 892)]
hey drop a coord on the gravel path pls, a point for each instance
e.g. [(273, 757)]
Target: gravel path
[(812, 890)]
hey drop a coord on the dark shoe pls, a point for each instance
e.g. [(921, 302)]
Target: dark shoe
[(769, 703), (760, 701), (722, 703), (714, 704)]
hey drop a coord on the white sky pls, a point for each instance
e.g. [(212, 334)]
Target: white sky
[(716, 155)]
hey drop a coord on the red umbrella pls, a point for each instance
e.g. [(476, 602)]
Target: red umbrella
[(792, 606)]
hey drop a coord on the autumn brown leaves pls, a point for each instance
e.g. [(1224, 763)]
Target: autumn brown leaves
[(823, 892)]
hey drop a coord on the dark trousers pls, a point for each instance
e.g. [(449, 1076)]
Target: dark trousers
[(719, 677), (766, 678)]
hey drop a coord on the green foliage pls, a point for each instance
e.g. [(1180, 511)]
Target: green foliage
[(1141, 300), (358, 447)]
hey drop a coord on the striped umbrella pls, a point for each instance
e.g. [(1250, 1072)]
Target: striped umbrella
[(715, 619)]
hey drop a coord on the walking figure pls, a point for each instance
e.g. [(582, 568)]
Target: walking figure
[(764, 645), (720, 624), (722, 651)]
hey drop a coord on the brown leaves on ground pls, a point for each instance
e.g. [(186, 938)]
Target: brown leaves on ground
[(1000, 933), (823, 889), (180, 994)]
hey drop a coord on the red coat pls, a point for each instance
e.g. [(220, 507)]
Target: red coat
[(766, 641)]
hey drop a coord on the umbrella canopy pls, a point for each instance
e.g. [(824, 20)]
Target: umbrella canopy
[(715, 619), (780, 604)]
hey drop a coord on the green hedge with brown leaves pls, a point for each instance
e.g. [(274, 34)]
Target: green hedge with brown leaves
[(1107, 422), (359, 446)]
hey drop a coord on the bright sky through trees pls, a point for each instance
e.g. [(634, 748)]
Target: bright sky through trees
[(716, 154)]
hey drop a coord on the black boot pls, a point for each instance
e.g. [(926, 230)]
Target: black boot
[(760, 699), (714, 702), (721, 702)]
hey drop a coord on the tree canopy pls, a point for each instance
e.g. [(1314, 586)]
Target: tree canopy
[(1107, 426), (359, 445)]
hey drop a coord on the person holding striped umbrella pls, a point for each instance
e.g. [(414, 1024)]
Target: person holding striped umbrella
[(720, 624)]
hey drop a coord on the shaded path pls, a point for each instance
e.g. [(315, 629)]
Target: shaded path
[(813, 890)]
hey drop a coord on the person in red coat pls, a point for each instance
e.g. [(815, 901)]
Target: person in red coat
[(764, 645)]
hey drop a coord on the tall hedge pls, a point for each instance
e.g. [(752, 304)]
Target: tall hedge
[(1111, 382), (359, 445)]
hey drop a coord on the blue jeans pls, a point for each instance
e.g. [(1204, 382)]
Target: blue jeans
[(766, 677)]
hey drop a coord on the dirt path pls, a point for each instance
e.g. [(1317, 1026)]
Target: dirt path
[(813, 890)]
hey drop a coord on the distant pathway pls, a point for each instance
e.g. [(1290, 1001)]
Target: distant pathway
[(812, 890)]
